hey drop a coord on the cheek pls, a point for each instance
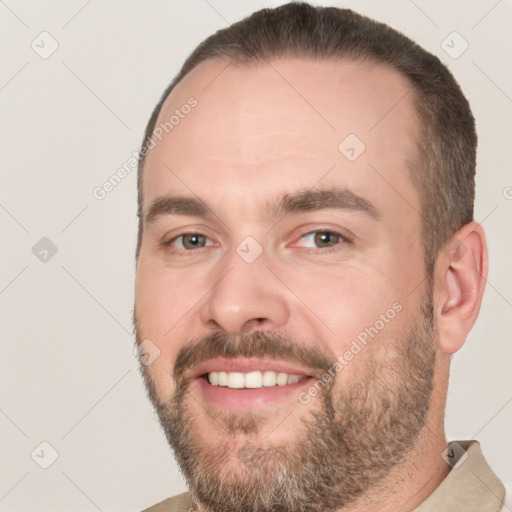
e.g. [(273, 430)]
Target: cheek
[(352, 310), (163, 299), (351, 296), (163, 308)]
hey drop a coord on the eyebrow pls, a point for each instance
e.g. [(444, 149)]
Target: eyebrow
[(321, 199), (297, 202), (177, 205)]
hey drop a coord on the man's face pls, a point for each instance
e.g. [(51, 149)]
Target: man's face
[(276, 256)]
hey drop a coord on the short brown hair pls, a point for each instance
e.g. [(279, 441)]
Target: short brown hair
[(444, 169)]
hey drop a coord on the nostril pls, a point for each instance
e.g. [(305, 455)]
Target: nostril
[(254, 324)]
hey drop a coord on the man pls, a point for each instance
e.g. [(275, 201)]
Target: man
[(307, 262)]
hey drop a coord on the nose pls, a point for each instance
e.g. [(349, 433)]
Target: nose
[(245, 297)]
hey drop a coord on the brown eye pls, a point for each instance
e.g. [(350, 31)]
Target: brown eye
[(323, 239), (192, 241), (326, 239)]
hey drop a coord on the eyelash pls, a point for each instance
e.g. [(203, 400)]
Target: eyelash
[(343, 241), (168, 244), (326, 250)]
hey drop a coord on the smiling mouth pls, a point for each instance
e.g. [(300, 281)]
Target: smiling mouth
[(242, 384), (252, 380)]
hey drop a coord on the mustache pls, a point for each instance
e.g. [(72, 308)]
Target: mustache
[(256, 344)]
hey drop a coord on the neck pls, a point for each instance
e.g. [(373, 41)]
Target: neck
[(412, 481), (422, 469)]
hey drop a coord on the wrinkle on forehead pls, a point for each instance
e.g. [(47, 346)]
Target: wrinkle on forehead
[(271, 105)]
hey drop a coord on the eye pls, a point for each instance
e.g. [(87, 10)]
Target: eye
[(189, 241), (322, 239)]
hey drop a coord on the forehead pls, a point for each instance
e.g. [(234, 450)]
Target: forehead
[(273, 127)]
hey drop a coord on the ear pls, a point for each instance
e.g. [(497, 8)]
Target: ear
[(460, 277)]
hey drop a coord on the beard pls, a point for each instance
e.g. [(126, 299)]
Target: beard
[(360, 429)]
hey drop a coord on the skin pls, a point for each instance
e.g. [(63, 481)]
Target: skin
[(258, 133)]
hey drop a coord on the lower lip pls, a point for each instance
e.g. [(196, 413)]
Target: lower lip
[(250, 399)]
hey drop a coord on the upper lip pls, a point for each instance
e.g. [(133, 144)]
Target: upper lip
[(246, 365)]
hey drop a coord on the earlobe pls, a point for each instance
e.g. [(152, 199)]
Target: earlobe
[(461, 273)]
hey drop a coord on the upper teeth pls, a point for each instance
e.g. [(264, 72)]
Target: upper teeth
[(238, 380)]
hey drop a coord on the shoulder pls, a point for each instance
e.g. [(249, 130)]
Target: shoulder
[(179, 503)]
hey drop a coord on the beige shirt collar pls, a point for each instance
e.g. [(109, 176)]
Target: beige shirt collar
[(471, 485)]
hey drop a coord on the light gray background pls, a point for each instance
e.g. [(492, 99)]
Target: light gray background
[(67, 372)]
